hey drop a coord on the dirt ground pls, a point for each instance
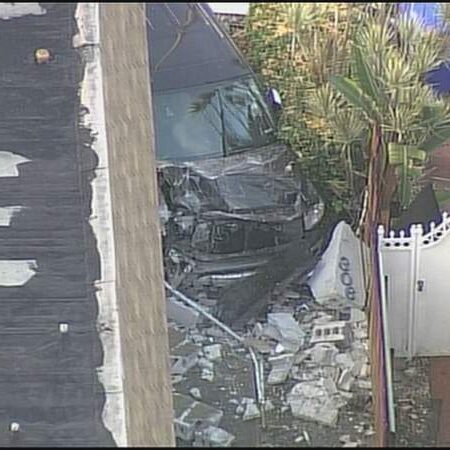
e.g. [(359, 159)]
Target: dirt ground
[(416, 418), (233, 380)]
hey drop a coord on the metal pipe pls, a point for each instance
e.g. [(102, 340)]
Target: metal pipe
[(257, 364), (386, 334)]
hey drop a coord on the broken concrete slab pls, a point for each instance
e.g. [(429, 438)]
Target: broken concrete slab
[(191, 414), (181, 313), (270, 332), (182, 363), (251, 412), (195, 392), (176, 337), (307, 389), (259, 345), (281, 367), (213, 437), (364, 384), (204, 363), (177, 379), (300, 357), (360, 333), (291, 336), (324, 353), (356, 315), (330, 372), (213, 352), (207, 374), (313, 409), (345, 361), (344, 438), (351, 444), (330, 386), (323, 319), (198, 338), (346, 380)]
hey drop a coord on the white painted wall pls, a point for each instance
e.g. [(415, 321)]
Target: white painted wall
[(419, 320)]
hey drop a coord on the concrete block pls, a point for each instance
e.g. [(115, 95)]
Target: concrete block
[(195, 392), (324, 353), (338, 332), (213, 352), (292, 336), (251, 412), (213, 437), (181, 364), (312, 409), (191, 414), (281, 367), (346, 380), (207, 374)]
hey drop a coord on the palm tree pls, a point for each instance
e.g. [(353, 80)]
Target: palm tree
[(387, 89), (345, 70)]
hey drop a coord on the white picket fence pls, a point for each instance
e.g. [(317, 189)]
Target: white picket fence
[(416, 279)]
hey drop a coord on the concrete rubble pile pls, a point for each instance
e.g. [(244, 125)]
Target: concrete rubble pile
[(318, 357), (315, 353), (325, 358), (195, 422), (315, 360)]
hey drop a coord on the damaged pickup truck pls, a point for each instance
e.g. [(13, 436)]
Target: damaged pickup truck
[(237, 214)]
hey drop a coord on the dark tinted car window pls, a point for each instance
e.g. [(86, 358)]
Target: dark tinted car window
[(211, 121)]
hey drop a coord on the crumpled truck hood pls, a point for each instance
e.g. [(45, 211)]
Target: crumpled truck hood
[(249, 186)]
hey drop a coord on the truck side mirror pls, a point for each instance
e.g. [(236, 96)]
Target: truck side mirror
[(274, 99)]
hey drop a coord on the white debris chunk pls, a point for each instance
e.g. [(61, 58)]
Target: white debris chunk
[(251, 412), (213, 437), (310, 409), (204, 363), (195, 392), (281, 367), (213, 352), (346, 380), (207, 374), (324, 354), (315, 401), (290, 335), (13, 10), (182, 364)]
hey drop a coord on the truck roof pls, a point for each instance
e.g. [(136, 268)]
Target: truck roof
[(188, 47)]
